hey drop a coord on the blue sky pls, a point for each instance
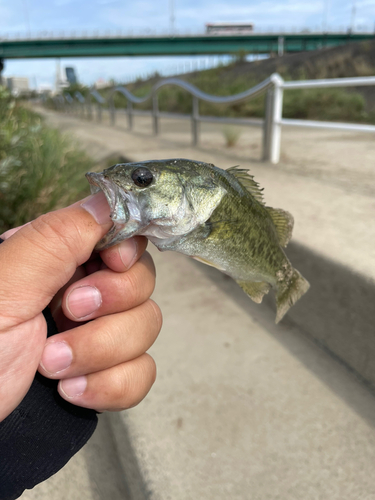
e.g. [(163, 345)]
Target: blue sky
[(20, 16)]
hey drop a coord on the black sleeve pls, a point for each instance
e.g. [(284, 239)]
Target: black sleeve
[(41, 435)]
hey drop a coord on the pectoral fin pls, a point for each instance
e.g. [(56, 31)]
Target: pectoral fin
[(255, 290)]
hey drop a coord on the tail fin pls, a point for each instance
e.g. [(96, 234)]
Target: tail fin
[(288, 295)]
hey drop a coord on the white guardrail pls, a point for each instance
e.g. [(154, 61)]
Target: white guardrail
[(274, 87)]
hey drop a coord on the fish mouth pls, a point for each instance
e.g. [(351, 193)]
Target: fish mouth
[(119, 212), (114, 194)]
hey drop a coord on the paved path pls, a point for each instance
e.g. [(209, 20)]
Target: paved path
[(242, 408)]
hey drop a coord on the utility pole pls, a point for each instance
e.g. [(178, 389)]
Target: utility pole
[(27, 16), (352, 22), (326, 13), (58, 76)]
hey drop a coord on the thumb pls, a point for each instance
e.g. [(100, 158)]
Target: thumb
[(40, 258)]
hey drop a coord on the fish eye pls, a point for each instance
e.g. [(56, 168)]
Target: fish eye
[(142, 177)]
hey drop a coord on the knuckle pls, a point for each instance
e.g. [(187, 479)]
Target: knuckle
[(148, 319), (132, 285), (106, 347), (149, 261), (140, 283), (152, 371), (147, 269), (133, 384), (156, 315)]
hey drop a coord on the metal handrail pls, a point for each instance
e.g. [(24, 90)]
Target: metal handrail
[(80, 97), (277, 121), (331, 82), (272, 123), (352, 127), (97, 96), (99, 102), (196, 92), (126, 93)]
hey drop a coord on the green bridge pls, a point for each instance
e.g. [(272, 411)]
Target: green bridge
[(175, 45)]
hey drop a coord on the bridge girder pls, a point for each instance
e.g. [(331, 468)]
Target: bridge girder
[(173, 46)]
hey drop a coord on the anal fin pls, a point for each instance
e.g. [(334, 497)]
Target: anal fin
[(207, 262), (255, 289)]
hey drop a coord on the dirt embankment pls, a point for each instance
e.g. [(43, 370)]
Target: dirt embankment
[(350, 60)]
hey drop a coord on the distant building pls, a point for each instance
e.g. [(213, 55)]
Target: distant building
[(101, 84), (71, 76), (17, 84), (45, 89), (60, 85)]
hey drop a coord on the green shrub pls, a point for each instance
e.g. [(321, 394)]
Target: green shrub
[(324, 104), (40, 169)]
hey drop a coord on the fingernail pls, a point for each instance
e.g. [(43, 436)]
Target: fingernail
[(56, 357), (73, 387), (98, 207), (83, 301), (127, 250)]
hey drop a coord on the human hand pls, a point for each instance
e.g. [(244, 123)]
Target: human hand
[(100, 303)]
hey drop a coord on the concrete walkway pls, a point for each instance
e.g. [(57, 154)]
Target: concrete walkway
[(244, 409)]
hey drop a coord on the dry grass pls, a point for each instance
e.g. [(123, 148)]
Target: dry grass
[(232, 135)]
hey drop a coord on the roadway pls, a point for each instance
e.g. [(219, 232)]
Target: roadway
[(242, 408)]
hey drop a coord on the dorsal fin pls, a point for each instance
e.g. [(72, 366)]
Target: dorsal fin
[(247, 181), (283, 223)]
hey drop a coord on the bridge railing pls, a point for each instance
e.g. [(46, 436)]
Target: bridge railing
[(273, 121)]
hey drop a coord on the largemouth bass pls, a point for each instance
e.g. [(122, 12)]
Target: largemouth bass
[(215, 216)]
